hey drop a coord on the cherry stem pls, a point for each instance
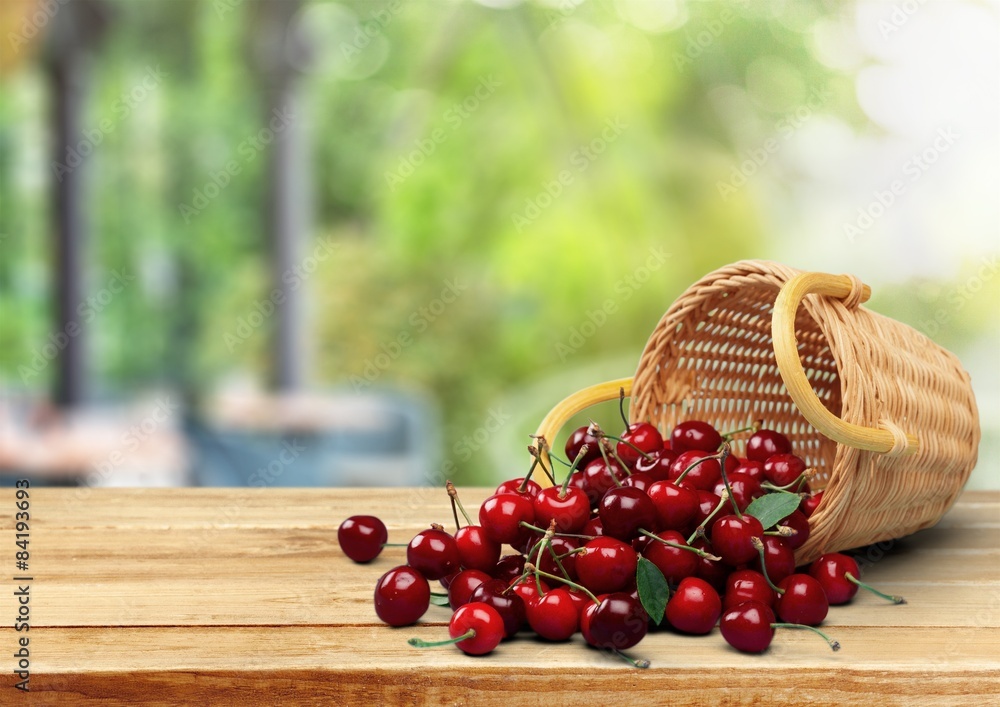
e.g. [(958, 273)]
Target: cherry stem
[(710, 457), (542, 544), (835, 645), (604, 454), (726, 451), (641, 664), (576, 462), (535, 460), (698, 551), (699, 532), (759, 545), (395, 544), (455, 500), (621, 407), (526, 524), (418, 643), (543, 446), (528, 567), (783, 531), (755, 427), (894, 598)]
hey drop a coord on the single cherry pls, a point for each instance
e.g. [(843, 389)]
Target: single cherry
[(802, 600), (462, 586), (501, 516), (599, 476), (530, 488), (433, 553), (811, 503), (705, 471), (798, 522), (642, 435), (508, 604), (755, 470), (732, 538), (606, 565), (747, 585), (475, 550), (508, 568), (744, 489), (676, 506), (570, 510), (674, 562), (617, 622), (695, 434), (476, 628), (779, 558), (658, 467), (623, 510), (527, 589), (402, 595), (361, 537), (554, 616), (748, 627), (638, 480), (784, 469), (694, 607), (766, 443), (838, 574), (579, 437)]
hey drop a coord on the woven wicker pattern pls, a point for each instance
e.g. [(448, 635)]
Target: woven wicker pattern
[(711, 357)]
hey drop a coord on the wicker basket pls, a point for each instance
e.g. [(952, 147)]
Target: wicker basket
[(886, 416)]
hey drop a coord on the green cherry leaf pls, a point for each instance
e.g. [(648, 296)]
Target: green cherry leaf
[(653, 589), (773, 507), (438, 600)]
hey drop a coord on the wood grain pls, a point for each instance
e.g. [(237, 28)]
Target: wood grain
[(237, 596)]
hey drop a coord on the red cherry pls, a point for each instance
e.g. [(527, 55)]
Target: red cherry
[(501, 516), (508, 568), (658, 467), (811, 503), (695, 434), (361, 537), (745, 489), (778, 556), (798, 522), (676, 506), (830, 571), (554, 616), (579, 437), (642, 435), (766, 443), (606, 565), (599, 477), (570, 511), (594, 527), (783, 469), (704, 475), (475, 550), (714, 572), (617, 622), (674, 563), (707, 503), (694, 607), (484, 624), (433, 553), (755, 470), (562, 547), (462, 586), (638, 480), (402, 595), (624, 510), (507, 603), (748, 626), (747, 585), (528, 590), (514, 486), (802, 601), (732, 538)]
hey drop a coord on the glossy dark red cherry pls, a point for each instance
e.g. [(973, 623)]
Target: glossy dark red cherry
[(747, 585), (433, 553), (704, 475), (361, 537), (501, 516), (462, 586), (638, 480), (606, 565), (554, 616), (508, 568), (798, 522), (676, 506), (507, 603), (755, 470), (579, 437), (571, 510), (783, 469), (528, 590), (732, 538), (779, 558), (748, 626), (708, 502), (811, 503), (402, 595), (695, 434), (475, 550), (766, 443), (658, 467), (802, 601), (514, 486), (715, 572), (599, 477), (830, 571), (744, 489), (673, 562), (483, 622), (694, 607), (642, 435), (617, 622), (624, 510)]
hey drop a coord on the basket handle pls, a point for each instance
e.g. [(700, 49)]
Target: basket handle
[(577, 402), (888, 438)]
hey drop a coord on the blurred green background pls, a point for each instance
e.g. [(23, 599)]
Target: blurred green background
[(486, 175)]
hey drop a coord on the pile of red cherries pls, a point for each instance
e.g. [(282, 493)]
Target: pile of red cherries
[(638, 531)]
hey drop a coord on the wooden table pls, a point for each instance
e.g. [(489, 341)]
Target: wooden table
[(243, 597)]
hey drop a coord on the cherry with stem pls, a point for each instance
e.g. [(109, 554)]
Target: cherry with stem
[(699, 532), (453, 495)]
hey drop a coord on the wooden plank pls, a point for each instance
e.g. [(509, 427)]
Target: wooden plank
[(374, 664)]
